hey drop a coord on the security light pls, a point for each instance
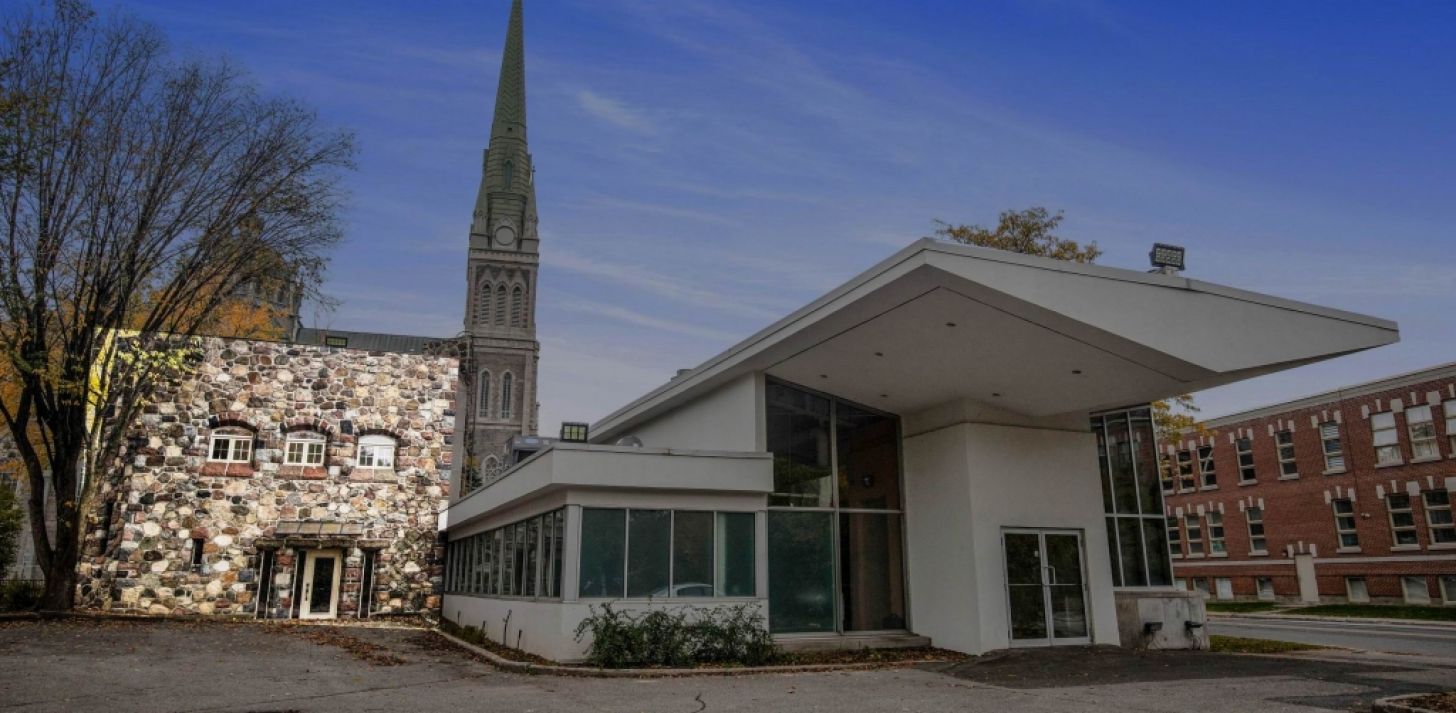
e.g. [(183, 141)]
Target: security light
[(572, 432), (1167, 258)]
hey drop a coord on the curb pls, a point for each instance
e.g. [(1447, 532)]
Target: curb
[(1333, 619), (506, 664)]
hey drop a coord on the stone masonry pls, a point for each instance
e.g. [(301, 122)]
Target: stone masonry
[(253, 519)]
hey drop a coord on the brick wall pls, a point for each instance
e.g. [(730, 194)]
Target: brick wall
[(1298, 516)]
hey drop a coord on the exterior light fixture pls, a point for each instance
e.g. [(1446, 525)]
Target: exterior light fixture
[(573, 432), (336, 341), (1167, 259)]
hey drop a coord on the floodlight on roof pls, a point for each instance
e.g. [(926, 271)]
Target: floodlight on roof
[(574, 432), (1167, 258)]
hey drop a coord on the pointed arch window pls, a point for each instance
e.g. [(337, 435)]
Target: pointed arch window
[(500, 306), (490, 467), (510, 174), (482, 301), (508, 382), (483, 405), (518, 303)]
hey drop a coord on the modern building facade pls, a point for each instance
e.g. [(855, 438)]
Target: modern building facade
[(498, 383), (1340, 496), (932, 451), (280, 480)]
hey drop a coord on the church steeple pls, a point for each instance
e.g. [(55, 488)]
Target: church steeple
[(510, 93), (505, 207)]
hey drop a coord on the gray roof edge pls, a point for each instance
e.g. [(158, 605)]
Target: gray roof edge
[(1337, 394)]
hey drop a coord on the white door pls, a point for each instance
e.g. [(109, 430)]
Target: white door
[(321, 584), (1046, 587)]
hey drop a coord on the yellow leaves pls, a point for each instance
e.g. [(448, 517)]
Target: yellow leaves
[(1028, 231)]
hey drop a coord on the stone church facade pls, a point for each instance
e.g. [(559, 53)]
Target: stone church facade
[(498, 376), (280, 480)]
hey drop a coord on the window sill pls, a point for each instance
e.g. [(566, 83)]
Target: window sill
[(1294, 476), (1392, 464), (1209, 487), (1442, 546), (1259, 553), (1244, 483), (226, 469), (1195, 557), (1347, 550), (1427, 459), (1405, 548), (1335, 471), (1219, 555)]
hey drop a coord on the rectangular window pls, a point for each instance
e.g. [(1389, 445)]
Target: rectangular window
[(1450, 427), (1215, 533), (1165, 474), (1265, 587), (198, 545), (1448, 588), (1415, 590), (376, 455), (1438, 517), (304, 449), (799, 438), (1175, 538), (1223, 588), (530, 572), (1387, 439), (1205, 467), (1186, 480), (231, 448), (1245, 449), (1195, 534), (1356, 591), (1345, 524), (692, 554), (603, 552), (801, 589), (1135, 477), (1402, 519), (1334, 450), (1258, 545), (649, 537), (1288, 465), (735, 573), (1422, 428)]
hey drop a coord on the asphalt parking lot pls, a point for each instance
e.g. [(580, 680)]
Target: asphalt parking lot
[(119, 666)]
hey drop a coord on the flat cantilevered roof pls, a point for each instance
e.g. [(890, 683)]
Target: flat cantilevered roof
[(937, 322)]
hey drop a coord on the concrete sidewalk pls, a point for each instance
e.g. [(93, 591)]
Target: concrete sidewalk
[(180, 666)]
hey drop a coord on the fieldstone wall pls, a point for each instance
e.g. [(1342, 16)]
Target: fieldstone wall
[(169, 498)]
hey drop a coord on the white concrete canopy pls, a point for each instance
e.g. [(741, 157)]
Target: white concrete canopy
[(938, 322)]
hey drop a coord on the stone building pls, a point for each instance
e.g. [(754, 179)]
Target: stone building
[(1339, 496), (281, 480), (498, 384)]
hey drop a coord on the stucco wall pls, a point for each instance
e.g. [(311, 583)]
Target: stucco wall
[(727, 419), (169, 494), (964, 484)]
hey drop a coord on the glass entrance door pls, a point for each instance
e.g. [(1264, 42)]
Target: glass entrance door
[(321, 585), (1046, 587)]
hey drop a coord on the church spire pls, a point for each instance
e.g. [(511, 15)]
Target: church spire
[(510, 94)]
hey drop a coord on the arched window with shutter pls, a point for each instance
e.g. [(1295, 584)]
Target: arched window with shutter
[(482, 301), (518, 305), (507, 387), (500, 306)]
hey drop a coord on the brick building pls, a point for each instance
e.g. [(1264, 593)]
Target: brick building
[(282, 480), (1341, 496)]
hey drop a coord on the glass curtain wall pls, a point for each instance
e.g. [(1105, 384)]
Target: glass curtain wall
[(522, 559), (836, 549), (1132, 498)]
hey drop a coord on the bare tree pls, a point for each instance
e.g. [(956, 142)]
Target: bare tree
[(138, 191)]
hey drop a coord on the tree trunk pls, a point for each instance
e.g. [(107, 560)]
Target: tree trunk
[(60, 584)]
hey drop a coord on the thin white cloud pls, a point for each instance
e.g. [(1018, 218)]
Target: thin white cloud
[(648, 281), (614, 112), (622, 314), (658, 209)]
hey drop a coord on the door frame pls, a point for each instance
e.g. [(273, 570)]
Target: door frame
[(1051, 638), (305, 609)]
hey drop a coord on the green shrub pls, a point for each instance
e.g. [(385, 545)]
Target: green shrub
[(18, 595), (12, 526), (676, 638)]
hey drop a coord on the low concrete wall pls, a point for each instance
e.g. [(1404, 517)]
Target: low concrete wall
[(1159, 619)]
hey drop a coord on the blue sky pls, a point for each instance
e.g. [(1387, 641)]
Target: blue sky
[(703, 168)]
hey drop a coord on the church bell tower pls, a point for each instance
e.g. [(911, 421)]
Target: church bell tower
[(498, 374)]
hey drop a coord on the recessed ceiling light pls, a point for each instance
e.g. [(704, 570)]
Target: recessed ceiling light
[(1076, 371), (824, 376), (997, 394), (879, 354), (950, 324), (884, 396)]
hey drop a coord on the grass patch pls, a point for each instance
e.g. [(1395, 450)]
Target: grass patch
[(1240, 607), (1242, 645), (1380, 611)]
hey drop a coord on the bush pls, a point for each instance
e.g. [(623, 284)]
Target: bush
[(12, 524), (676, 638), (19, 595)]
